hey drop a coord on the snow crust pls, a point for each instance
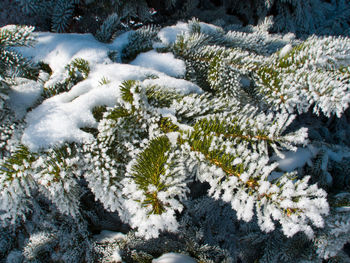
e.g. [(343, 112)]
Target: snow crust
[(173, 258), (168, 35), (23, 95), (162, 62), (58, 50), (60, 118), (180, 85)]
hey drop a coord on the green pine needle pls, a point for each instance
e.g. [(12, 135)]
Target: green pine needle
[(147, 171), (20, 158), (125, 89)]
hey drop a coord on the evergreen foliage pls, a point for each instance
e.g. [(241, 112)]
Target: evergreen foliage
[(319, 17), (76, 71), (283, 80), (13, 64), (108, 29), (140, 40), (205, 169), (58, 12), (61, 15)]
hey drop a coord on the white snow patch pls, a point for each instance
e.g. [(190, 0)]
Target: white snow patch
[(285, 50), (293, 160), (180, 85), (168, 34), (162, 62), (23, 95), (59, 119), (119, 72), (107, 236), (173, 136), (174, 258), (209, 28), (115, 257), (58, 50)]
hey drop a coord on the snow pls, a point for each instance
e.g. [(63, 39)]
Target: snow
[(58, 50), (60, 118), (180, 85), (285, 50), (23, 95), (293, 160), (168, 34), (116, 257), (173, 136), (209, 28), (107, 236), (162, 62), (174, 258)]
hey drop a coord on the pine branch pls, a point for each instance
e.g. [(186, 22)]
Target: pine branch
[(56, 172), (77, 70), (13, 35), (16, 184), (62, 14), (148, 169), (108, 29), (140, 40)]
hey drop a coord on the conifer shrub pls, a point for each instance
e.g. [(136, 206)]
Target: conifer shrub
[(203, 167)]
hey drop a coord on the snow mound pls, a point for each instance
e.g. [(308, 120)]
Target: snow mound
[(174, 258), (58, 50), (162, 62), (24, 95), (168, 34), (61, 118), (180, 85)]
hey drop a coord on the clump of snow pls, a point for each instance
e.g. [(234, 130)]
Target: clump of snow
[(209, 28), (59, 119), (23, 96), (168, 34), (58, 50), (162, 62), (293, 160), (107, 236), (173, 136), (285, 50), (174, 258), (116, 257), (180, 85)]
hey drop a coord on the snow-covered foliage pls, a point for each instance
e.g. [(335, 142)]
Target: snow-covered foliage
[(320, 17), (186, 132), (12, 64)]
